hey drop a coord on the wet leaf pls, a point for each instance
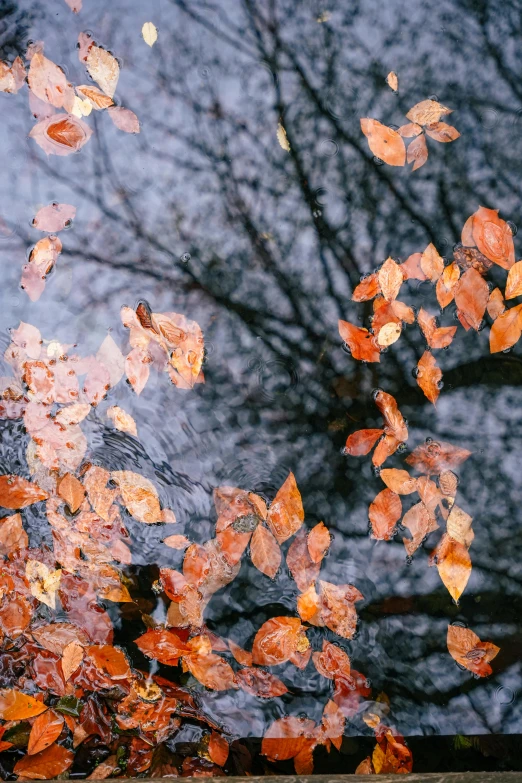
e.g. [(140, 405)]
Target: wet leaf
[(458, 526), (56, 636), (243, 657), (124, 119), (61, 134), (16, 705), (139, 496), (333, 722), (12, 535), (429, 376), (44, 731), (122, 420), (265, 552), (496, 306), (286, 738), (48, 82), (367, 289), (412, 269), (431, 263), (410, 130), (96, 97), (446, 284), (12, 79), (514, 281), (393, 419), (304, 571), (16, 492), (75, 5), (211, 671), (286, 514), (441, 131), (318, 540), (177, 542), (44, 582), (389, 334), (427, 112), (337, 610), (467, 649), (435, 456), (362, 442), (385, 143), (71, 492), (417, 152), (471, 297), (48, 764), (112, 359), (54, 218), (259, 683), (385, 511), (103, 67), (331, 662), (436, 336), (277, 640), (72, 656), (399, 481), (506, 329), (420, 523), (492, 236), (454, 565), (111, 660), (218, 746), (163, 646), (137, 368), (392, 81), (390, 279), (361, 342), (150, 36)]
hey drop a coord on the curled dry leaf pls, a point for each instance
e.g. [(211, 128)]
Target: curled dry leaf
[(390, 279), (453, 564), (286, 514), (124, 119), (103, 67), (361, 342), (265, 552), (44, 731), (54, 218), (385, 143), (61, 134), (122, 420), (429, 376), (16, 492), (436, 336), (384, 513), (417, 152), (318, 541), (466, 648), (399, 481), (139, 496), (150, 36), (362, 442), (506, 329), (392, 81), (427, 112), (492, 236)]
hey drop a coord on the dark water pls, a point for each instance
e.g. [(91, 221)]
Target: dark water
[(204, 214)]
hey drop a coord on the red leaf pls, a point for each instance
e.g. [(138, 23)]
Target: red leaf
[(265, 552), (218, 749), (385, 512), (362, 442), (277, 640), (361, 342)]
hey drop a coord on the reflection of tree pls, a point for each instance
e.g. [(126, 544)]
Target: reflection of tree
[(278, 240)]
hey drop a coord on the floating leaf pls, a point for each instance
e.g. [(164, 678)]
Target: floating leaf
[(282, 138), (392, 81), (48, 82), (71, 492), (150, 36), (427, 112), (137, 368), (72, 656), (390, 279), (471, 297), (420, 523), (506, 329), (514, 281), (12, 535), (436, 336), (44, 731), (124, 119), (361, 342), (435, 456), (417, 152), (446, 284), (112, 359), (265, 552), (454, 565), (429, 376), (385, 143), (467, 649), (389, 334), (61, 134), (278, 640), (492, 236), (304, 571), (496, 306), (16, 492), (259, 683), (431, 263), (286, 514), (362, 442), (75, 5), (367, 289), (441, 131), (318, 541), (217, 746), (139, 496), (54, 218), (122, 420), (384, 513), (211, 671), (96, 97), (103, 68), (177, 542)]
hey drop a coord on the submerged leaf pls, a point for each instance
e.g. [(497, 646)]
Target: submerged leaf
[(265, 552), (124, 119), (61, 134), (286, 514)]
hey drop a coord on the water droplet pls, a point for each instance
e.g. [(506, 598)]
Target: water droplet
[(185, 258)]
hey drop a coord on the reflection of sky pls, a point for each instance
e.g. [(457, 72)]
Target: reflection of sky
[(276, 242)]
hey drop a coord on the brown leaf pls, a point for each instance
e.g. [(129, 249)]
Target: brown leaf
[(124, 119), (304, 571), (122, 420), (48, 764), (286, 738), (16, 705), (177, 542), (496, 306), (385, 143), (277, 640), (362, 442), (492, 236), (16, 492), (431, 263), (96, 97), (387, 446), (393, 419), (54, 218), (243, 657), (467, 649), (259, 683), (211, 671), (44, 731), (436, 336), (61, 134), (506, 329), (286, 514), (265, 552), (103, 67), (399, 481), (429, 376), (337, 610), (441, 131), (446, 284), (71, 492), (435, 456), (367, 289), (385, 511), (361, 342), (390, 279), (139, 496), (454, 565), (72, 657), (417, 152), (427, 112), (420, 523), (471, 297), (392, 81), (458, 526), (56, 636), (12, 535), (318, 540)]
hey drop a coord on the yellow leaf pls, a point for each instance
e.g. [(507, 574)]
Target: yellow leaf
[(149, 33), (43, 582), (392, 81), (282, 138)]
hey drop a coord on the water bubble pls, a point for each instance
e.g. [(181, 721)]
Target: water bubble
[(319, 195), (504, 695), (488, 118), (185, 258), (440, 385), (376, 392), (329, 148)]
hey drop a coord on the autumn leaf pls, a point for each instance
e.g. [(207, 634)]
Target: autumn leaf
[(48, 764), (506, 329), (54, 218), (61, 134), (177, 542), (361, 342), (427, 112), (454, 565), (48, 82), (431, 263), (394, 423), (410, 130), (16, 705), (265, 552), (124, 119), (12, 535), (122, 420), (337, 610), (137, 368), (44, 731), (103, 67), (466, 648), (362, 442), (304, 571), (471, 297), (435, 456), (243, 657), (72, 656), (392, 81), (43, 582), (277, 640), (331, 661), (286, 738), (367, 289), (55, 637), (390, 279), (458, 526), (286, 514), (211, 671), (441, 131), (162, 645), (384, 513), (446, 284), (492, 236), (16, 492), (385, 143), (496, 306), (259, 683), (12, 78), (420, 523), (96, 97), (282, 138), (75, 5), (429, 376), (436, 336), (139, 496), (399, 481), (389, 334), (217, 746), (318, 541), (71, 492), (417, 152), (150, 36), (412, 269)]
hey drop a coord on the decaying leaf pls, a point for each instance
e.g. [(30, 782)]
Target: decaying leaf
[(429, 376), (384, 513), (103, 67), (385, 143), (427, 112), (48, 82), (61, 134), (150, 36), (54, 218), (441, 131), (467, 649), (124, 119), (43, 582), (122, 420), (139, 496), (12, 535), (260, 683)]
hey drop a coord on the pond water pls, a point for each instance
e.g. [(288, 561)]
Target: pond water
[(204, 213)]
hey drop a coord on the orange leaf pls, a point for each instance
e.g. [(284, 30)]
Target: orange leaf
[(385, 448), (496, 306), (242, 656), (399, 481), (96, 97), (467, 649), (71, 492), (427, 112), (393, 418), (446, 284), (319, 540), (412, 269), (514, 281), (429, 376), (16, 705), (506, 329), (260, 683), (417, 152), (390, 279), (56, 636), (286, 514), (435, 456), (361, 342), (48, 764), (441, 131), (218, 749), (44, 731), (436, 336), (211, 671), (304, 571), (61, 134), (48, 82), (16, 492), (162, 645), (277, 640), (493, 237), (385, 511), (385, 143), (110, 660), (332, 662), (410, 130), (333, 722), (392, 81), (453, 564), (367, 289), (265, 552), (471, 297), (177, 542), (72, 657), (139, 496), (362, 442), (12, 535), (337, 610), (286, 737), (419, 522), (431, 263)]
